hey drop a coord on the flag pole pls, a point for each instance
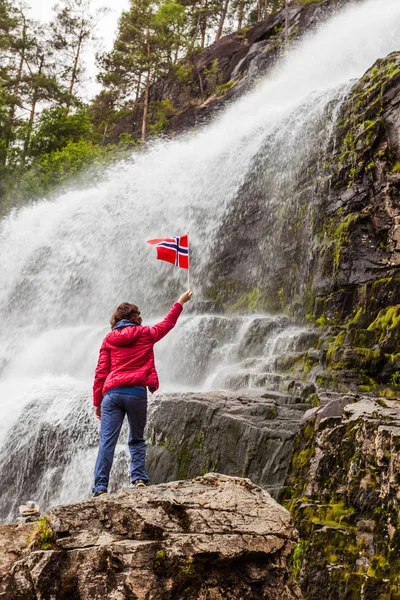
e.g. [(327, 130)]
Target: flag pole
[(188, 263)]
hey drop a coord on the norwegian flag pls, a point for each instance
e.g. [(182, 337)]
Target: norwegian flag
[(173, 250)]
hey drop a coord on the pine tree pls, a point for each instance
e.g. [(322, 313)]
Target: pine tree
[(73, 28), (40, 83), (222, 19), (27, 78), (13, 47), (149, 42)]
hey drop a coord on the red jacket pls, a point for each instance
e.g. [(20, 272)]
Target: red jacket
[(127, 358)]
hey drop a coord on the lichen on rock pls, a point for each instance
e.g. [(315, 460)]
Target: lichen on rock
[(343, 491)]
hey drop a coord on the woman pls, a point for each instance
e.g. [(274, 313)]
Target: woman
[(124, 370)]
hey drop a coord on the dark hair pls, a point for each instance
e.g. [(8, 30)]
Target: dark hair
[(127, 311)]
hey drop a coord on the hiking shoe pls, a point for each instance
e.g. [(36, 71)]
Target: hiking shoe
[(139, 483), (100, 493)]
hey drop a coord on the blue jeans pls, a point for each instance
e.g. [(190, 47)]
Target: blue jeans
[(114, 407)]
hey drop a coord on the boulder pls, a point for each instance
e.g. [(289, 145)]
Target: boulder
[(214, 537)]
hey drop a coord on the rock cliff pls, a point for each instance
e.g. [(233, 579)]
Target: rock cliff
[(215, 537), (355, 279), (337, 236), (343, 489), (329, 254)]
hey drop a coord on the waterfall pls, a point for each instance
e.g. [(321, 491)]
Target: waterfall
[(67, 263)]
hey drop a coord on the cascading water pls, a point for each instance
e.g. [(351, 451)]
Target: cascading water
[(66, 264)]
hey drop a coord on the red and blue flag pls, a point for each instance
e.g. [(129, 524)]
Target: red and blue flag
[(173, 250)]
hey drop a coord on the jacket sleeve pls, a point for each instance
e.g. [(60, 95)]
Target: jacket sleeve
[(161, 329), (102, 370)]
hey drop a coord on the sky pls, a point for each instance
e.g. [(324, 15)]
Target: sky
[(42, 11)]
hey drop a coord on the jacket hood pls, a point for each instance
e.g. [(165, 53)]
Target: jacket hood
[(124, 323), (124, 333)]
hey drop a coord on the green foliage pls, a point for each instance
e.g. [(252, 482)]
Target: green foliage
[(387, 319), (211, 76), (298, 558), (342, 234), (225, 87), (40, 67), (224, 290), (379, 566), (364, 121), (43, 122), (73, 26), (188, 568), (309, 431), (396, 167), (160, 562), (126, 141), (281, 298), (357, 316), (339, 340), (338, 512), (183, 73), (160, 111), (184, 459), (151, 40), (395, 379), (56, 128), (56, 168), (170, 14), (248, 302), (43, 537), (314, 400), (302, 459)]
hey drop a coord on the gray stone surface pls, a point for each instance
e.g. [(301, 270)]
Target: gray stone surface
[(247, 433), (216, 537)]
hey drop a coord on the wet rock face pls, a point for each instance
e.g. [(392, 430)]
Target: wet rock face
[(343, 489), (358, 260), (325, 241), (356, 273), (247, 433), (215, 537), (34, 459)]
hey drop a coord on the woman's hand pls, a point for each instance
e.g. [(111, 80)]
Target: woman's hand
[(97, 412), (185, 297)]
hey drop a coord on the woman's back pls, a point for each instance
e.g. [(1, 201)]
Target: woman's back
[(127, 356)]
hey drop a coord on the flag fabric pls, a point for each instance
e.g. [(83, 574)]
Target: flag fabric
[(173, 250)]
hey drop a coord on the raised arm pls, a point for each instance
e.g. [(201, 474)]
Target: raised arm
[(161, 329), (102, 370)]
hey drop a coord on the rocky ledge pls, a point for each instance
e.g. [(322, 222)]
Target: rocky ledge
[(214, 537)]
